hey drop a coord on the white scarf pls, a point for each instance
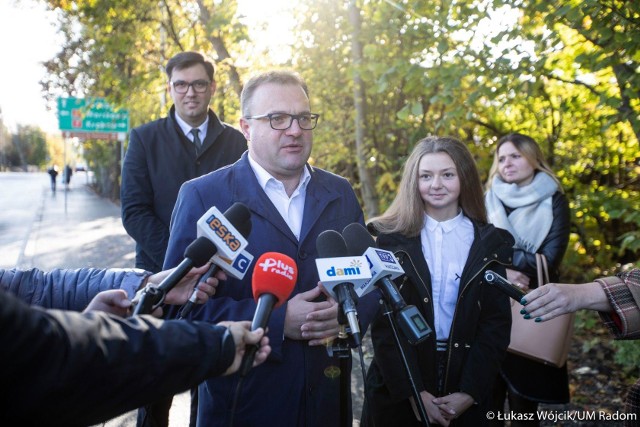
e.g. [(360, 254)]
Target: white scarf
[(532, 215)]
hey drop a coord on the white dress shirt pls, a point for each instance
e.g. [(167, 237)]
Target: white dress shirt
[(290, 208), (445, 246), (186, 128)]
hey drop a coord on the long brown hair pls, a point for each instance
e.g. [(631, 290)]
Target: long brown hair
[(405, 215), (529, 149)]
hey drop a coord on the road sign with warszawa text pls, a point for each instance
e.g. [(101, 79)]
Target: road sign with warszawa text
[(91, 118)]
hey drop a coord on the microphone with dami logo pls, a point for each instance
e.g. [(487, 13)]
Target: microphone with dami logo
[(384, 268), (339, 274)]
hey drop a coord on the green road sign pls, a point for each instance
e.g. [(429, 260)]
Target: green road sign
[(90, 115)]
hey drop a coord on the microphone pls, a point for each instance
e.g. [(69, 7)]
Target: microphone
[(333, 265), (384, 268), (273, 280), (223, 230), (196, 254), (238, 218), (504, 285), (383, 264)]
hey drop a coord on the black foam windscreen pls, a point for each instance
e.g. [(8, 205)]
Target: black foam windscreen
[(330, 244), (358, 239), (200, 251), (240, 216)]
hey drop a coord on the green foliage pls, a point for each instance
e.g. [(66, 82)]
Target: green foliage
[(627, 354), (565, 72)]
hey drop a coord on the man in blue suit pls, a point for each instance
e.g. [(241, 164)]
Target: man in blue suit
[(291, 203)]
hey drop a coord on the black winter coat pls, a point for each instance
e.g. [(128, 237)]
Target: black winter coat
[(160, 158), (477, 342)]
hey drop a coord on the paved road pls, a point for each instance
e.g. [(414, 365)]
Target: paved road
[(76, 228)]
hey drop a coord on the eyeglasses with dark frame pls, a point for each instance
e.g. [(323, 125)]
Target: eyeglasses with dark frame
[(283, 121), (200, 86)]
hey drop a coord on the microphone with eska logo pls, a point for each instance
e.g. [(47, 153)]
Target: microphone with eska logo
[(228, 232)]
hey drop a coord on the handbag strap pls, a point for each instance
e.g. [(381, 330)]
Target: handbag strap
[(543, 269)]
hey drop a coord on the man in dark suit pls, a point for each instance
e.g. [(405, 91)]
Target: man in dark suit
[(189, 142), (291, 204)]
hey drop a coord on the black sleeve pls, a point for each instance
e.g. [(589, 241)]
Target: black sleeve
[(553, 246), (137, 198), (70, 369), (492, 337)]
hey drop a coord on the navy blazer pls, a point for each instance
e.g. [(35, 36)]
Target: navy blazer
[(299, 384), (160, 158)]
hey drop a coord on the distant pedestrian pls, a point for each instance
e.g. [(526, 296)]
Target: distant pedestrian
[(53, 173), (67, 176)]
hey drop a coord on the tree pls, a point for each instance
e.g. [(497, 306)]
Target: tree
[(118, 50), (28, 147)]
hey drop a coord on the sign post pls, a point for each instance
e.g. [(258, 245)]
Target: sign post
[(90, 118)]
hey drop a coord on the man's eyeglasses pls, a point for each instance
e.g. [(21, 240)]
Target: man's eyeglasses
[(283, 121), (200, 86)]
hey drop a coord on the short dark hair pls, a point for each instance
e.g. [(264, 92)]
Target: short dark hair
[(184, 60), (281, 77)]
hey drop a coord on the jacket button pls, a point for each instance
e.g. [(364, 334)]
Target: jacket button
[(302, 255), (456, 345), (426, 300)]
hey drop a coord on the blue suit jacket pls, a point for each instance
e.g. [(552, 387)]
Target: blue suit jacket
[(299, 384)]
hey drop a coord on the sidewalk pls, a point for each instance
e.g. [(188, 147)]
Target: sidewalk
[(84, 230)]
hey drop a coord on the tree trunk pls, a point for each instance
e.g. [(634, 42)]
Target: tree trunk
[(220, 48), (368, 190)]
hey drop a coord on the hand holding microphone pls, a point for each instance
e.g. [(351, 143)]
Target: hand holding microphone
[(273, 280), (243, 337), (197, 254)]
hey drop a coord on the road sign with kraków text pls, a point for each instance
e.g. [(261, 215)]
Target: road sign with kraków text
[(90, 115)]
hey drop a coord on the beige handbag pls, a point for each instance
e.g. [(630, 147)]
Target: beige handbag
[(546, 342)]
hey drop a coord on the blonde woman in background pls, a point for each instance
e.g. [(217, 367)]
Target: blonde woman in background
[(525, 198)]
